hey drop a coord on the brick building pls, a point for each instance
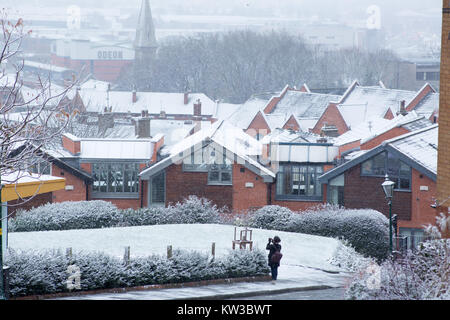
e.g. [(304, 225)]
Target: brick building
[(409, 160), (360, 104), (443, 179), (225, 165)]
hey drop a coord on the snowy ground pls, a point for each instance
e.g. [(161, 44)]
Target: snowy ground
[(304, 264), (298, 249)]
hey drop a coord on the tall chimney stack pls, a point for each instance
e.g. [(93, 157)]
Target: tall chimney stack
[(443, 169), (134, 96)]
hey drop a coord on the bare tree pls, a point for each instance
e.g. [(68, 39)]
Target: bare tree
[(27, 108)]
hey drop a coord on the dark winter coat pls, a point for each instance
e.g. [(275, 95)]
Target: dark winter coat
[(273, 247)]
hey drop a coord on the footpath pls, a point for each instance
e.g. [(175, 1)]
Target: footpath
[(291, 278)]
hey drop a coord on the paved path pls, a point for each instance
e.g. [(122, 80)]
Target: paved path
[(291, 279)]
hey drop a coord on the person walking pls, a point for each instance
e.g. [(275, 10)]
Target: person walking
[(274, 256)]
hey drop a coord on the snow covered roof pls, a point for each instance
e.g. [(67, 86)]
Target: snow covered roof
[(244, 115), (367, 130), (224, 134), (135, 149), (367, 103), (428, 105), (225, 110), (417, 149), (96, 99), (420, 146), (304, 104), (285, 136)]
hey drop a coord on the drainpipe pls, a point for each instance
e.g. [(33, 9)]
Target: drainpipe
[(87, 190), (142, 193), (269, 193)]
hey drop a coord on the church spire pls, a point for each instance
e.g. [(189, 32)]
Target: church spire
[(145, 31)]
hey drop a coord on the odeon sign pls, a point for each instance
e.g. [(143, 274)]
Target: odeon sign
[(110, 55)]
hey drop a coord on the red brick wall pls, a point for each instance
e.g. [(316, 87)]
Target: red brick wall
[(349, 146), (375, 142), (366, 192), (422, 94), (291, 124), (245, 198), (73, 147), (274, 101), (123, 203), (258, 125), (36, 201), (422, 213), (331, 116), (389, 115), (180, 185), (79, 188)]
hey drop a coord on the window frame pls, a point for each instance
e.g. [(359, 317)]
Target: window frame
[(303, 169), (109, 194), (395, 178)]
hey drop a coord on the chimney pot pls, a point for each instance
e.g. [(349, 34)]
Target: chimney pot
[(134, 96)]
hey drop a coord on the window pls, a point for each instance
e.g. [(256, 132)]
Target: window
[(115, 179), (432, 76), (386, 163), (158, 189), (399, 173), (299, 182), (220, 174), (375, 166), (215, 162), (41, 167), (420, 76)]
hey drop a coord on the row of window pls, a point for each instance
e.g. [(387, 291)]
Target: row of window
[(430, 76), (299, 181), (115, 177)]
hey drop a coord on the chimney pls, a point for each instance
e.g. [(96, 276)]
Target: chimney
[(142, 125), (198, 108), (402, 110), (186, 97), (134, 96), (71, 143), (105, 120), (158, 143)]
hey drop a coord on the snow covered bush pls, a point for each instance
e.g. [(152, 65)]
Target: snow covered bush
[(365, 230), (194, 210), (103, 214), (271, 217), (143, 217), (348, 259), (418, 275), (65, 216), (44, 272)]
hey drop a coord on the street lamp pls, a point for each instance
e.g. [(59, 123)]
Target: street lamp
[(388, 188)]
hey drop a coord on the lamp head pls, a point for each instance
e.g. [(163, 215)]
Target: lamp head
[(388, 187)]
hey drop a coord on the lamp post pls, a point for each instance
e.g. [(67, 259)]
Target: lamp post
[(388, 188)]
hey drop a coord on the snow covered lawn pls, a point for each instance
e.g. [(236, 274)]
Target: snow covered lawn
[(298, 249)]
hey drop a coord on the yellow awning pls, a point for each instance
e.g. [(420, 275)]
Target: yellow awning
[(30, 186)]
